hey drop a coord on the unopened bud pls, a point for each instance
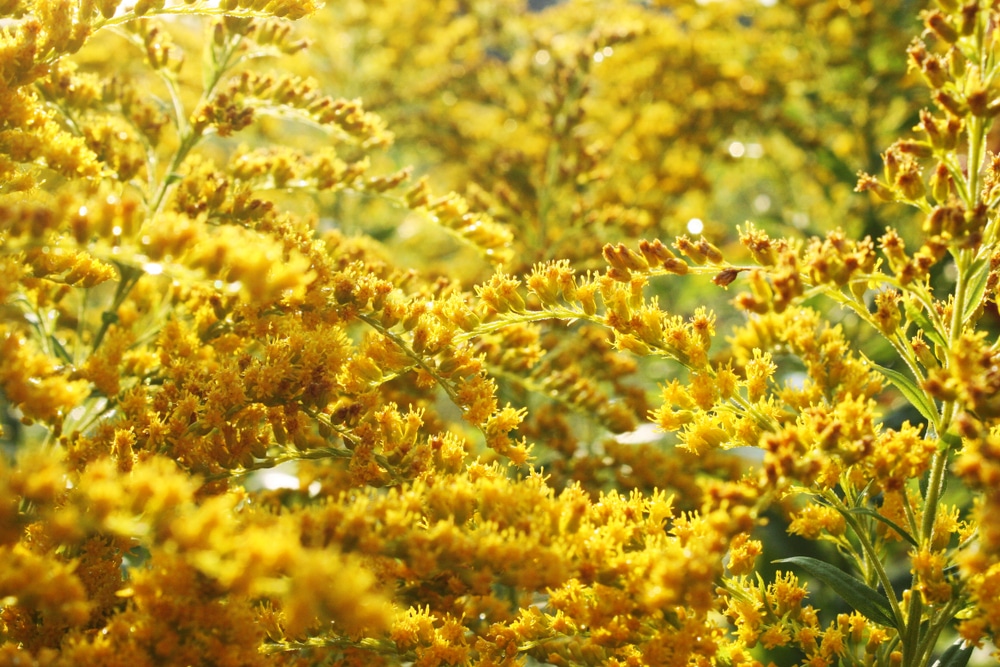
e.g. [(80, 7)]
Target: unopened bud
[(621, 257), (942, 184), (969, 14), (690, 250), (915, 148), (937, 23), (956, 63), (675, 265), (654, 251), (711, 253), (911, 183), (950, 104)]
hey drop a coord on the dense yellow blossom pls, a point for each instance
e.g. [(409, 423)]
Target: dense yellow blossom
[(435, 333)]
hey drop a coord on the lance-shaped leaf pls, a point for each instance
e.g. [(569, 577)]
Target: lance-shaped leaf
[(892, 524), (866, 600), (911, 391), (979, 276), (957, 655)]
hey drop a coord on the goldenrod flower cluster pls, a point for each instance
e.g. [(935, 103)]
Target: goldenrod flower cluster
[(423, 333)]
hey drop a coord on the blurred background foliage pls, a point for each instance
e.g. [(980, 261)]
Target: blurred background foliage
[(589, 122), (599, 121)]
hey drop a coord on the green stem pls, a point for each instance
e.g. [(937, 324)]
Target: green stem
[(189, 139), (925, 649), (871, 553)]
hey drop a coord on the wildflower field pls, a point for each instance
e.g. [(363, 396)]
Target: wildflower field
[(466, 332)]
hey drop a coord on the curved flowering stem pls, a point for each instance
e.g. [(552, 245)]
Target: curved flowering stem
[(873, 558)]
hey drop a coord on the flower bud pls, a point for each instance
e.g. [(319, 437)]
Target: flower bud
[(867, 182), (923, 352), (937, 23), (893, 164), (956, 63), (942, 184), (690, 250), (675, 265), (911, 183), (950, 104), (712, 253), (655, 252), (915, 148), (588, 302), (621, 257), (934, 72), (970, 12)]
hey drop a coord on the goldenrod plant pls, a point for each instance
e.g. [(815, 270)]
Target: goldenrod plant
[(483, 333)]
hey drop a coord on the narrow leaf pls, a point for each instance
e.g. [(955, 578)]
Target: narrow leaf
[(920, 318), (924, 405), (892, 524), (979, 273), (957, 655), (858, 595)]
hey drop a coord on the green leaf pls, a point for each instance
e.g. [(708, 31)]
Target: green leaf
[(979, 274), (917, 315), (911, 391), (957, 655), (60, 350), (892, 524), (858, 595)]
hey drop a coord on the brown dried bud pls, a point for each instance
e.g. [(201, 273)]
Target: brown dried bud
[(937, 23), (726, 277), (950, 104)]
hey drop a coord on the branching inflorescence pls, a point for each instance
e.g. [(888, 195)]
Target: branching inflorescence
[(285, 380)]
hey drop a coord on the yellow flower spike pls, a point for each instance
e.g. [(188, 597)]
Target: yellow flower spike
[(702, 434), (704, 390), (815, 520), (586, 295), (280, 317), (33, 382), (759, 372), (743, 554), (887, 315), (501, 294)]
